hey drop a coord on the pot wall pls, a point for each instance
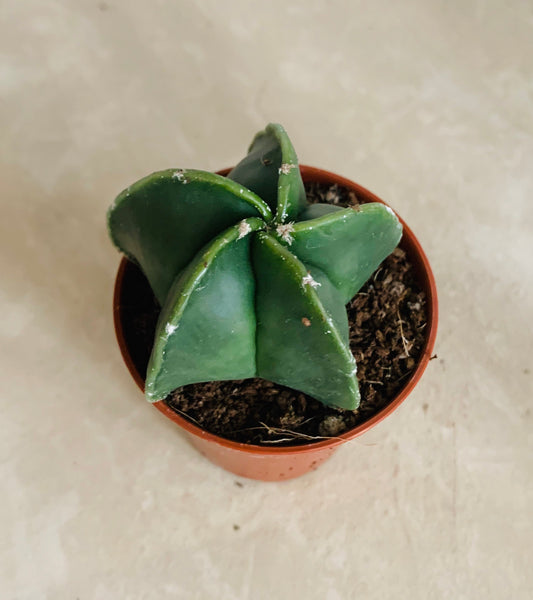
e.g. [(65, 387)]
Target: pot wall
[(238, 459)]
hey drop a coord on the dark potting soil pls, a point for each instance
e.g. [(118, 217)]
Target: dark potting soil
[(387, 333)]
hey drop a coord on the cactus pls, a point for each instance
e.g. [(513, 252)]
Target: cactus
[(252, 280)]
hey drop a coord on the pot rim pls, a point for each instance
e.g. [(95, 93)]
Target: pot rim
[(320, 176)]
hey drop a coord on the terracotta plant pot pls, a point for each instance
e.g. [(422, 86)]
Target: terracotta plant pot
[(275, 464)]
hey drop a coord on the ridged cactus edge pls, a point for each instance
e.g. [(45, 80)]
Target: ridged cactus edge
[(252, 280)]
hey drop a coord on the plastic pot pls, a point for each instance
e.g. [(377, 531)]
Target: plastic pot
[(276, 464)]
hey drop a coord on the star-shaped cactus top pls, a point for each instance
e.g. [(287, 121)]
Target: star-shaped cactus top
[(252, 279)]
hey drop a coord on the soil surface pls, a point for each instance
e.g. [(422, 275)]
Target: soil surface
[(387, 333)]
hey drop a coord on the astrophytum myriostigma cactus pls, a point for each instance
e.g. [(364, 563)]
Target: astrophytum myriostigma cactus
[(252, 279)]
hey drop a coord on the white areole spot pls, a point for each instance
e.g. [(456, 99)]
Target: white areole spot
[(284, 231), (308, 280), (286, 168), (170, 329), (179, 175), (244, 229)]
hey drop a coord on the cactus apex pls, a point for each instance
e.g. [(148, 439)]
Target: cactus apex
[(284, 231)]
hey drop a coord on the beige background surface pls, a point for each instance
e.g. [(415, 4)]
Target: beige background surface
[(428, 104)]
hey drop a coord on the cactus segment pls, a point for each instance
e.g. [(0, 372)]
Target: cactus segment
[(163, 220), (348, 245), (207, 326), (299, 339), (271, 171), (332, 301)]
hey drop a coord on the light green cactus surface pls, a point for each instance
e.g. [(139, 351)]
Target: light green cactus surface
[(252, 280)]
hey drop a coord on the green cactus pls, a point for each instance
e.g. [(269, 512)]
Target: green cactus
[(252, 280)]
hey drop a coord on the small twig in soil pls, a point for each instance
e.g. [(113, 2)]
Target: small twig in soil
[(187, 416), (404, 376), (277, 441), (295, 434), (404, 341), (307, 421)]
